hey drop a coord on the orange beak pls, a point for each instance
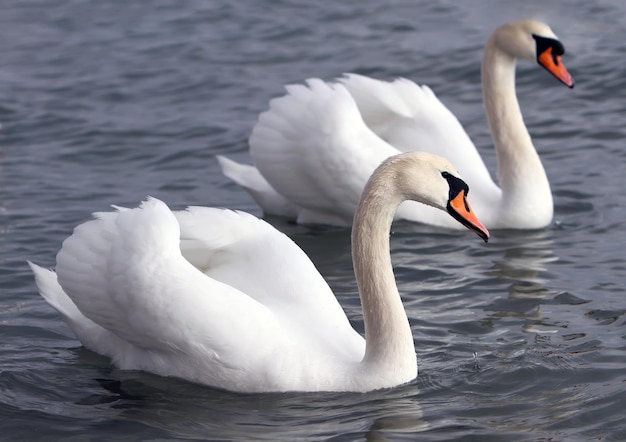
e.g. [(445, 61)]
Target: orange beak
[(460, 209), (554, 65)]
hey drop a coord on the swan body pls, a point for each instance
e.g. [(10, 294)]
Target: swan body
[(222, 298), (315, 147)]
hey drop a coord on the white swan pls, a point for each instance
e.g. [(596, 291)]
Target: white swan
[(222, 298), (314, 149)]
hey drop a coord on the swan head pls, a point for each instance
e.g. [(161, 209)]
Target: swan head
[(534, 41), (433, 180)]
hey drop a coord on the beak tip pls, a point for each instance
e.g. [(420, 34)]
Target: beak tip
[(567, 80), (482, 231)]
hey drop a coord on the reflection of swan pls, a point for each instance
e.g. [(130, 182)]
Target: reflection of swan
[(523, 260), (314, 149), (258, 316), (168, 406)]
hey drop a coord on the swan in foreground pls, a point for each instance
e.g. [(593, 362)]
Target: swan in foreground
[(222, 298), (316, 146)]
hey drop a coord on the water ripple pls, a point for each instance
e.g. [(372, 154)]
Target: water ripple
[(107, 102)]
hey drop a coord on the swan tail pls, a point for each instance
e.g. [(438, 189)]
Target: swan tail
[(90, 334), (50, 289), (250, 179)]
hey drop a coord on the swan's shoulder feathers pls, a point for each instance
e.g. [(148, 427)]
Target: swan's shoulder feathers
[(125, 272), (238, 243), (307, 143), (387, 106), (411, 117), (380, 102)]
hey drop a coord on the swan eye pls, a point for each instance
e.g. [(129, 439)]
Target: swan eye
[(545, 43), (456, 184)]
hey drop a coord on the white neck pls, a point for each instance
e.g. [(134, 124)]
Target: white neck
[(522, 178), (389, 347)]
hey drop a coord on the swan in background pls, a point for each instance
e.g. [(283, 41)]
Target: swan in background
[(222, 298), (315, 147)]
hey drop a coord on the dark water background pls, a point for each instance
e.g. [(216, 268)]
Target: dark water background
[(106, 102)]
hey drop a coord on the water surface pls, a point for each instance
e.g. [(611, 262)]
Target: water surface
[(106, 102)]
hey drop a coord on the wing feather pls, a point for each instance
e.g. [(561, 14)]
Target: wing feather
[(306, 146), (125, 272)]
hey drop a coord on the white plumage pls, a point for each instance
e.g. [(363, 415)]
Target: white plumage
[(222, 298), (315, 147)]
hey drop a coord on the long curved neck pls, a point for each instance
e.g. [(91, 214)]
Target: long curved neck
[(389, 341), (521, 175)]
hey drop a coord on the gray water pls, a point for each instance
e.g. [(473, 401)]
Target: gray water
[(106, 102)]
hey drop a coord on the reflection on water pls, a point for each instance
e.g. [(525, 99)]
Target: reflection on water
[(524, 261), (3, 192), (211, 414)]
